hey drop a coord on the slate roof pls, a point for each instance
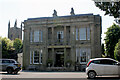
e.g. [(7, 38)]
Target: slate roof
[(61, 16)]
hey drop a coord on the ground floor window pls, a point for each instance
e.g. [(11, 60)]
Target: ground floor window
[(83, 55), (35, 57)]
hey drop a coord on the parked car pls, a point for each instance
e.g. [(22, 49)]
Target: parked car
[(10, 65), (102, 66)]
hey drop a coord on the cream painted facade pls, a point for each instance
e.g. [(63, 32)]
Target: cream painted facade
[(61, 42)]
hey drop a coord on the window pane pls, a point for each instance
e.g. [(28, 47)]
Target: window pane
[(96, 61), (108, 62), (83, 57), (36, 36), (57, 35), (36, 57), (83, 53), (61, 34), (12, 61), (88, 33), (41, 58), (41, 36), (5, 61), (76, 33), (82, 33)]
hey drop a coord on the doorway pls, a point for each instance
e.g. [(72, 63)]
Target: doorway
[(59, 59)]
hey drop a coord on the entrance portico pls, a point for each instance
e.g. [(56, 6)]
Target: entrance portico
[(59, 56)]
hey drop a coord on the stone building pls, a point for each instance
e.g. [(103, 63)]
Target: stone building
[(14, 32), (61, 42)]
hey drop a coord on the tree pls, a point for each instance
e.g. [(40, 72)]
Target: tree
[(10, 48), (110, 8), (17, 44), (111, 38), (117, 51), (7, 45)]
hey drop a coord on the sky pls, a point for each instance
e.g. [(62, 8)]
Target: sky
[(10, 10)]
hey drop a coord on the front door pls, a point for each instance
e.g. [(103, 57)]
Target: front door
[(59, 60)]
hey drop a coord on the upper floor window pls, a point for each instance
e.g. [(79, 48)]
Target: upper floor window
[(60, 36), (83, 33), (36, 36)]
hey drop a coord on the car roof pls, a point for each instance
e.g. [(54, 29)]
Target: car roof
[(102, 59)]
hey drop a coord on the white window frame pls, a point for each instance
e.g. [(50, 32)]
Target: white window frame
[(40, 58), (36, 36), (41, 37), (62, 36), (34, 57), (88, 33)]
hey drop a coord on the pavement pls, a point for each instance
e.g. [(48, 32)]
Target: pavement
[(32, 74)]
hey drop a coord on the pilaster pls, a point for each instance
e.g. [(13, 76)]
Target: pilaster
[(65, 54), (52, 35), (53, 57), (65, 35)]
